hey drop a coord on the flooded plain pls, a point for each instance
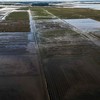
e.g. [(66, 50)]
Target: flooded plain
[(88, 27), (53, 61), (91, 6)]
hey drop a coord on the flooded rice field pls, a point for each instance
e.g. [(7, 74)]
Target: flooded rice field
[(13, 42), (50, 61)]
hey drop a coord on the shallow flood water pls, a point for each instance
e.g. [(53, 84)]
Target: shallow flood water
[(92, 6), (19, 68), (20, 77), (85, 25)]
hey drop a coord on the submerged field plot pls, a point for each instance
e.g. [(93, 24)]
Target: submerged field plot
[(86, 25)]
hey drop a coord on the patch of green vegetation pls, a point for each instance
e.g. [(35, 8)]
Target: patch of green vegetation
[(16, 22), (58, 32), (65, 12), (54, 33), (72, 13), (38, 11), (23, 8), (16, 26), (43, 17), (18, 16)]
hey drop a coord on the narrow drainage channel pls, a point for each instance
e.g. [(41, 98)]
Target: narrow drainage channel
[(32, 37)]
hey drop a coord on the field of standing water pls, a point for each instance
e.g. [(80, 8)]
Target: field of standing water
[(49, 53)]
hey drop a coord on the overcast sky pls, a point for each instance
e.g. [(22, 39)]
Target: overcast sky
[(30, 0), (34, 0), (37, 0)]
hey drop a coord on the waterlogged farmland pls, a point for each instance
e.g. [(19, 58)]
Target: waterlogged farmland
[(20, 77), (44, 56), (86, 25), (70, 57)]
